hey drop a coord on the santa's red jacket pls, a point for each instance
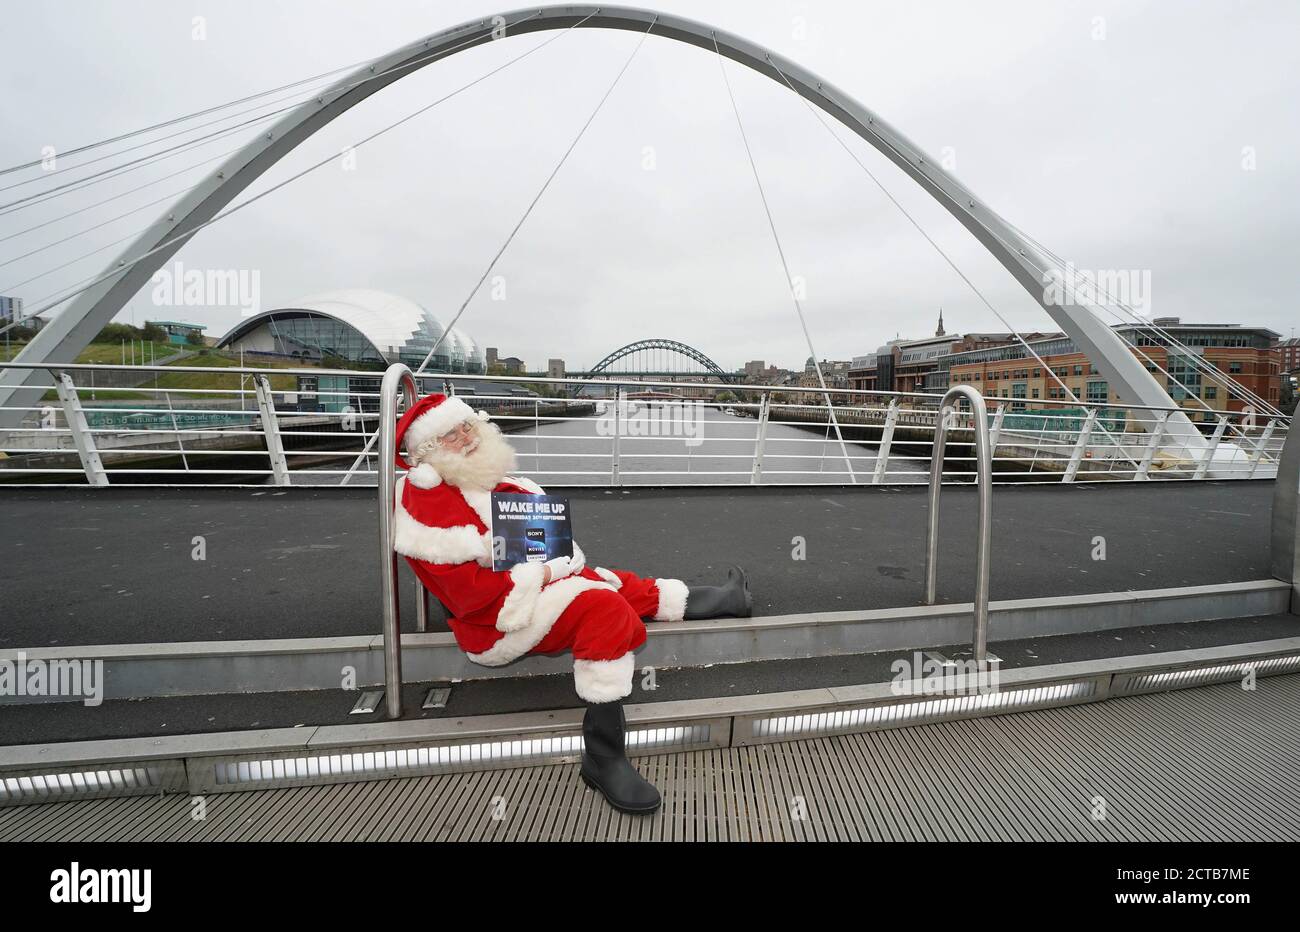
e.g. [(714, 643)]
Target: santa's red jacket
[(444, 532)]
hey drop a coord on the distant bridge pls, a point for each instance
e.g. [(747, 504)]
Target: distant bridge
[(659, 358)]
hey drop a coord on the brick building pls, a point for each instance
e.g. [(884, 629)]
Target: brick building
[(1247, 355)]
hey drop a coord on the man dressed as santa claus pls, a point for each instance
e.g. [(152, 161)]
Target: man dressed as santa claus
[(443, 527)]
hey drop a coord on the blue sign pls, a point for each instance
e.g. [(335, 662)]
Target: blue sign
[(529, 529)]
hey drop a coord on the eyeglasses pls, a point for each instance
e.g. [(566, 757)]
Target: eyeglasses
[(463, 428)]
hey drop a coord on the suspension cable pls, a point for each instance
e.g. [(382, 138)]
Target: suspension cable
[(115, 171), (821, 379), (86, 284), (1074, 293), (128, 192), (1202, 365), (1236, 428), (551, 177), (190, 116), (90, 229), (944, 255)]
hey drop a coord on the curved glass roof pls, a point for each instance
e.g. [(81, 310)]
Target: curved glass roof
[(359, 324)]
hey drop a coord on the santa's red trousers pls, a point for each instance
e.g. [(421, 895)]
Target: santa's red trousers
[(603, 625)]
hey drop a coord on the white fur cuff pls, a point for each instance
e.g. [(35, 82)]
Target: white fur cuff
[(604, 680), (672, 600), (517, 610)]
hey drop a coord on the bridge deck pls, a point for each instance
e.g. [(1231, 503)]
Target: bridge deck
[(1042, 775), (45, 722), (116, 566)]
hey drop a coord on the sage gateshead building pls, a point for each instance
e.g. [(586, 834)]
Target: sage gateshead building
[(355, 329)]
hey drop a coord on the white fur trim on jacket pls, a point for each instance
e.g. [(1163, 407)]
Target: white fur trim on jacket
[(517, 610), (481, 502), (439, 544), (672, 600), (550, 604), (437, 421), (604, 680)]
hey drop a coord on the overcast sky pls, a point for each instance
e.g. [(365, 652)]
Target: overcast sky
[(1121, 135)]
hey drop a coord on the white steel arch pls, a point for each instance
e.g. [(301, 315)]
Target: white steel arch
[(71, 330)]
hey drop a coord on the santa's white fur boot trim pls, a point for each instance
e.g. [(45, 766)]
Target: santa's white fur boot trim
[(604, 680), (672, 600)]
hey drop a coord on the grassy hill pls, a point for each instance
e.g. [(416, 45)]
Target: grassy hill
[(204, 384), (102, 352)]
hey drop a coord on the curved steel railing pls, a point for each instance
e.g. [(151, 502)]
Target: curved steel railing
[(984, 488), (397, 378), (215, 434)]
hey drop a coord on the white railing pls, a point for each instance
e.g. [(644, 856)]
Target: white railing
[(246, 429)]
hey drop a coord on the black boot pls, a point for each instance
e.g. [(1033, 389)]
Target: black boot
[(731, 600), (605, 766)]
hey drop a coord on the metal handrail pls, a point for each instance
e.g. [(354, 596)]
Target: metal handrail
[(397, 378), (1057, 442), (575, 381), (984, 488)]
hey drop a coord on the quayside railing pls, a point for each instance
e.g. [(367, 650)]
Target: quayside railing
[(310, 426)]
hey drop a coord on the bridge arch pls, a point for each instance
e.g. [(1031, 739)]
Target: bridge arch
[(72, 330), (662, 343)]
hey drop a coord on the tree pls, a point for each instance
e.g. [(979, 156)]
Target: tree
[(116, 333)]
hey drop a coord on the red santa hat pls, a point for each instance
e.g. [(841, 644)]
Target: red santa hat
[(431, 416)]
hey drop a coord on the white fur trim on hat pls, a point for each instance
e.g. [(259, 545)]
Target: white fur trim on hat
[(551, 603), (672, 600), (437, 421), (604, 680)]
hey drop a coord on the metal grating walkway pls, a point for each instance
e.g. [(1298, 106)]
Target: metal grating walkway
[(1213, 763)]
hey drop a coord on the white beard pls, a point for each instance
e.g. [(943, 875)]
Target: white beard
[(482, 468)]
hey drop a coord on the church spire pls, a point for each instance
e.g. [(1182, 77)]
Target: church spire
[(939, 332)]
